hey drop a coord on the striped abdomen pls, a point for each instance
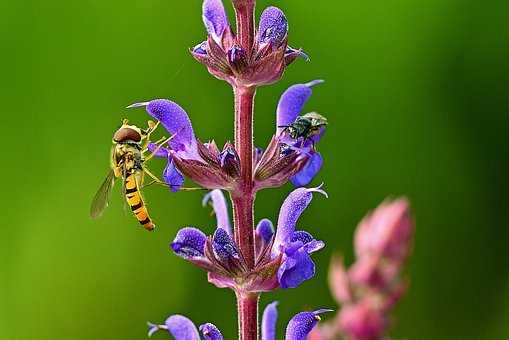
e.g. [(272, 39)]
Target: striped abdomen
[(136, 203)]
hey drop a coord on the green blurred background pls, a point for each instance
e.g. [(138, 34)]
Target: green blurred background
[(416, 95)]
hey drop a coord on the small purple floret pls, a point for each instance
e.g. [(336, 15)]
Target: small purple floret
[(265, 229), (172, 176), (210, 332), (296, 267), (223, 246), (182, 328), (214, 17), (302, 323), (189, 243), (273, 26)]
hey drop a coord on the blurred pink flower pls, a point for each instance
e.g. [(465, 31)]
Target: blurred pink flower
[(370, 288)]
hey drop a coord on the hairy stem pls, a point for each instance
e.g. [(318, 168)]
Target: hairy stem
[(244, 13), (243, 205), (243, 197), (247, 306)]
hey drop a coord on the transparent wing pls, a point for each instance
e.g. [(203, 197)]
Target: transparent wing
[(102, 196)]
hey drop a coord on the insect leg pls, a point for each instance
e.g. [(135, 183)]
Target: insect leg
[(159, 146)]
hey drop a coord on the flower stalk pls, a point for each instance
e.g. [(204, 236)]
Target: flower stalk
[(243, 196), (252, 260), (247, 307), (244, 14)]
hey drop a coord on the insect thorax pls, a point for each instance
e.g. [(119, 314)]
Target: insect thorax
[(127, 156), (300, 128)]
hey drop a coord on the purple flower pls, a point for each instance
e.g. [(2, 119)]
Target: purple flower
[(289, 107), (273, 27), (294, 246), (303, 323), (202, 163), (189, 243), (283, 258), (210, 332), (260, 64), (181, 328), (298, 327), (214, 18)]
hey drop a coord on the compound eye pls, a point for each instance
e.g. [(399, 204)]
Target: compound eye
[(126, 134)]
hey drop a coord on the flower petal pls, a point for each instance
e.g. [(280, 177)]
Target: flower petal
[(189, 243), (176, 121), (223, 246), (182, 328), (310, 170), (220, 208), (309, 243), (296, 267), (210, 332), (273, 27), (302, 323), (291, 209), (265, 229), (172, 176), (269, 321), (292, 101), (214, 17)]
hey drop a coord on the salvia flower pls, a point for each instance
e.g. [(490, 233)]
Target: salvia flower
[(205, 164), (371, 287), (297, 328), (181, 328), (260, 64), (292, 156), (282, 256)]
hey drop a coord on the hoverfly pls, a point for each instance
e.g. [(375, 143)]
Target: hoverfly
[(127, 162), (305, 126)]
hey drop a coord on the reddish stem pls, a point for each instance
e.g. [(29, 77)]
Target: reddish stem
[(243, 196), (243, 205), (247, 306), (244, 13)]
